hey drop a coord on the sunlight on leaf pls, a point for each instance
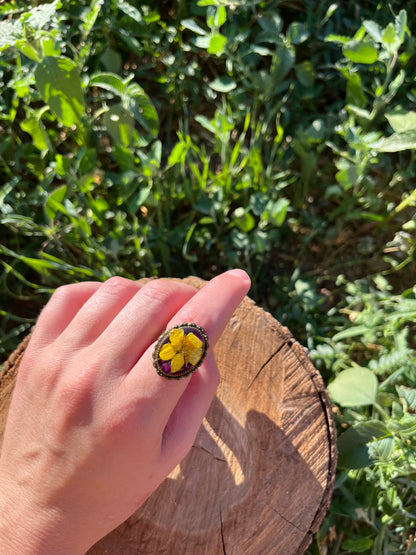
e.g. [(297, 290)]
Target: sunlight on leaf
[(354, 387), (58, 82), (360, 52), (223, 84)]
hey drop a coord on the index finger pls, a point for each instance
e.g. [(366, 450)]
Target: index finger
[(212, 306)]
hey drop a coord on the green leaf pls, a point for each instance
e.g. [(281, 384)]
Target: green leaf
[(10, 31), (360, 52), (143, 110), (297, 33), (359, 545), (89, 17), (48, 262), (202, 42), (338, 39), (178, 154), (408, 394), (151, 160), (282, 62), (206, 123), (120, 125), (373, 29), (139, 199), (132, 43), (266, 36), (381, 449), (217, 43), (62, 165), (355, 91), (350, 332), (220, 16), (54, 202), (109, 82), (223, 84), (359, 34), (28, 50), (59, 84), (271, 22), (399, 142), (347, 177), (359, 112), (130, 10), (355, 445), (243, 219), (210, 17), (112, 60), (354, 387), (329, 13), (397, 82), (49, 47), (305, 72), (258, 203), (134, 100), (34, 126), (275, 212), (39, 16), (400, 24), (390, 39), (193, 26), (402, 120)]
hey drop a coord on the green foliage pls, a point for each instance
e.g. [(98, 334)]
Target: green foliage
[(354, 387), (377, 399), (147, 139)]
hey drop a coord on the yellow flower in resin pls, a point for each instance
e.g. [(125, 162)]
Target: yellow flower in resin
[(181, 350)]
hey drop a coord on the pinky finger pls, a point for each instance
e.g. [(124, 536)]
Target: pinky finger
[(185, 420)]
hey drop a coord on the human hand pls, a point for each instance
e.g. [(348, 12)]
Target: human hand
[(92, 428)]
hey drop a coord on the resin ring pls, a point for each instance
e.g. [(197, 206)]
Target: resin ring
[(180, 350)]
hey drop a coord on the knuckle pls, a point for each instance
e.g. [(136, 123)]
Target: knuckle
[(76, 390), (190, 314), (117, 285), (121, 420), (164, 290), (158, 290), (63, 292), (41, 369)]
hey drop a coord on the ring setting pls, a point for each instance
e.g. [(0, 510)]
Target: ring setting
[(180, 350)]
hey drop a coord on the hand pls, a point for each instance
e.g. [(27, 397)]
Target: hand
[(92, 428)]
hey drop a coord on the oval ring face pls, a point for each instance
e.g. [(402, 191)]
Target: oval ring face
[(180, 350)]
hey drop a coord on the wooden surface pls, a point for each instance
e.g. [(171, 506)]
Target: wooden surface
[(259, 477)]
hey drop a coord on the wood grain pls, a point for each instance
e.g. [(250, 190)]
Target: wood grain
[(259, 477)]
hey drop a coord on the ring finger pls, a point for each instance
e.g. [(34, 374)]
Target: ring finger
[(211, 308)]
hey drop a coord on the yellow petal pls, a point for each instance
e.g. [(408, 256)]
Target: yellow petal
[(192, 342), (177, 362), (176, 338), (167, 352), (193, 356)]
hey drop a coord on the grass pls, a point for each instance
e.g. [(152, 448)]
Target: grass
[(173, 139)]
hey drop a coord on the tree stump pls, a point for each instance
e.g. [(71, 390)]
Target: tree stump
[(259, 477)]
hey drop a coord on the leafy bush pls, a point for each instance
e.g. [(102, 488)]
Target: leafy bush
[(375, 363), (167, 139)]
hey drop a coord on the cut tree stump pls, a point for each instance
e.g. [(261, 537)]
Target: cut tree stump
[(259, 478)]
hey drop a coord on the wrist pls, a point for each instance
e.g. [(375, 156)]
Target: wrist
[(26, 529)]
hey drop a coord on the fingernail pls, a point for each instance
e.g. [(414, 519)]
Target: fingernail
[(240, 274)]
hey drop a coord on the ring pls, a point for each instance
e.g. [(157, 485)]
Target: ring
[(180, 350)]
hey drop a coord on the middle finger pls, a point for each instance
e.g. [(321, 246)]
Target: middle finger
[(140, 322)]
